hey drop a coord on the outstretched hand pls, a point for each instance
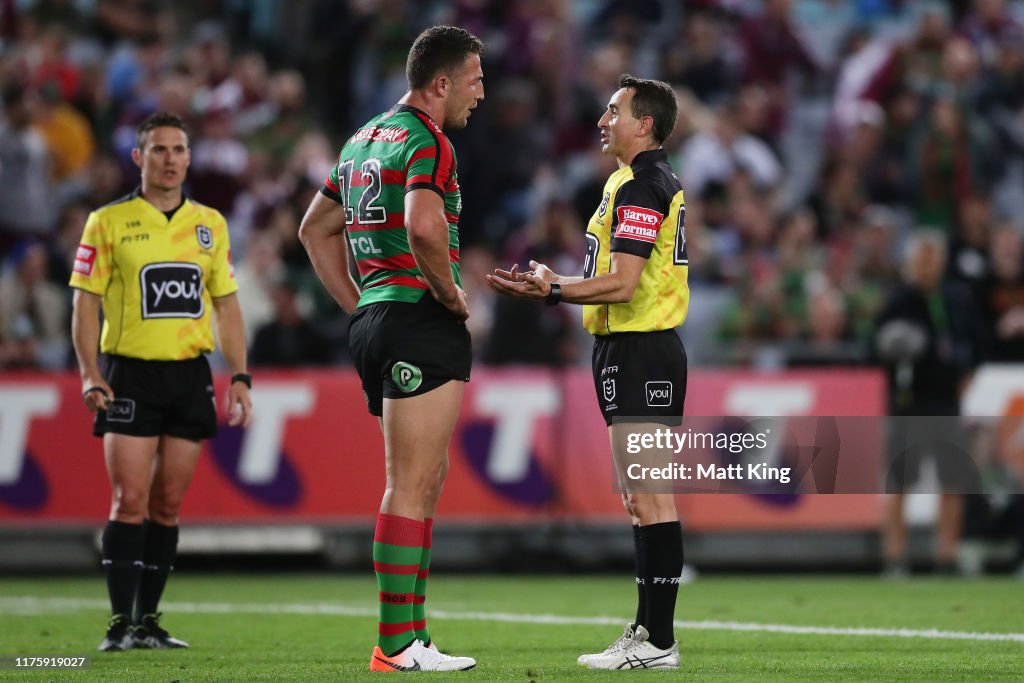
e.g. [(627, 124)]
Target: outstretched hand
[(528, 285)]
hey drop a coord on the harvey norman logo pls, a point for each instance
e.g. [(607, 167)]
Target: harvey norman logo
[(638, 223)]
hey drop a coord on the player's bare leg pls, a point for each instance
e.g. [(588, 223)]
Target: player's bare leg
[(176, 462), (895, 537), (947, 529), (129, 461), (417, 433)]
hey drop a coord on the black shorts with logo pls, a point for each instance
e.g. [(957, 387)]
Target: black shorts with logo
[(406, 349), (640, 375), (157, 397)]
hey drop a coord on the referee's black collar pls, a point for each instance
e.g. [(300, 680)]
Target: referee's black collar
[(137, 194), (649, 157)]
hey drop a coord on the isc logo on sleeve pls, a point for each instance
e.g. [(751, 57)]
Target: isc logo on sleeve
[(172, 290)]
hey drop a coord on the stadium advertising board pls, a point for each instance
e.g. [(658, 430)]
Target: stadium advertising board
[(530, 446)]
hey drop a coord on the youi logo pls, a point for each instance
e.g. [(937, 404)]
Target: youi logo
[(253, 458), (499, 449), (22, 483)]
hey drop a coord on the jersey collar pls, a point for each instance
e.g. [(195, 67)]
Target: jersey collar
[(137, 194), (649, 157), (402, 107)]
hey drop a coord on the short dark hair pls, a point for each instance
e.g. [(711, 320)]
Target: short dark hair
[(160, 119), (655, 99), (439, 49)]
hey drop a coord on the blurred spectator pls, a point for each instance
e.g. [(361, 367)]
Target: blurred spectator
[(929, 338), (63, 249), (969, 247), (289, 340), (117, 20), (700, 61), (1003, 303), (949, 163), (33, 311), (62, 14), (713, 156), (67, 133), (772, 52), (287, 121), (26, 207), (257, 275), (826, 340), (53, 66), (990, 25), (219, 162)]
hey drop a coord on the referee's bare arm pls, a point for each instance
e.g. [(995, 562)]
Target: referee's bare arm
[(85, 336), (615, 287), (231, 333), (428, 240), (322, 233)]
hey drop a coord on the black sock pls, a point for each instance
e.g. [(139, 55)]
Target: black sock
[(640, 566), (663, 559), (161, 547), (122, 560)]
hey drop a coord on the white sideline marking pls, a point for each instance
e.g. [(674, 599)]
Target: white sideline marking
[(28, 605)]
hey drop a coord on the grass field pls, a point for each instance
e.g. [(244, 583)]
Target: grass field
[(289, 627)]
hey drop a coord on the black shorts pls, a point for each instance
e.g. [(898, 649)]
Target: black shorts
[(937, 436), (157, 397), (640, 375), (406, 349)]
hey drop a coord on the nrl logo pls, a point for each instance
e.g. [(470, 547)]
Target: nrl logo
[(205, 236), (601, 210), (609, 389)]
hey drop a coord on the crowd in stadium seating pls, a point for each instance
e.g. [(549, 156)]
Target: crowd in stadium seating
[(814, 136)]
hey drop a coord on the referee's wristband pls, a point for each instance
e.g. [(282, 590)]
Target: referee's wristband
[(243, 377), (555, 295)]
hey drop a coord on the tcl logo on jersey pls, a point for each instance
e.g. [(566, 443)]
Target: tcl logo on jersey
[(638, 223), (172, 290), (85, 258)]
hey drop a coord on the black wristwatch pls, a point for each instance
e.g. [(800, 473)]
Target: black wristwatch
[(243, 377), (555, 295)]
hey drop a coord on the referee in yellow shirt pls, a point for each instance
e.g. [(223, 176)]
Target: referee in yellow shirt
[(635, 294), (159, 266)]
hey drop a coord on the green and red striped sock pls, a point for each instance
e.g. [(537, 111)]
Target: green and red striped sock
[(419, 608), (397, 548)]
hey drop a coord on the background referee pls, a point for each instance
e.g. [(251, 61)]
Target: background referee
[(156, 263)]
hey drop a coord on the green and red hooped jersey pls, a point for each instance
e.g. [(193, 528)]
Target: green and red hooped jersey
[(399, 151)]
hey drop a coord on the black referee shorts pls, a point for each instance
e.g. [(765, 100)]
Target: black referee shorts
[(640, 377), (157, 397), (406, 349)]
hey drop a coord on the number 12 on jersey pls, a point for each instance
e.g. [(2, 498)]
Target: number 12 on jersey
[(369, 213)]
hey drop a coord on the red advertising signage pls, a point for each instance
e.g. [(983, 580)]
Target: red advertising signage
[(530, 446)]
